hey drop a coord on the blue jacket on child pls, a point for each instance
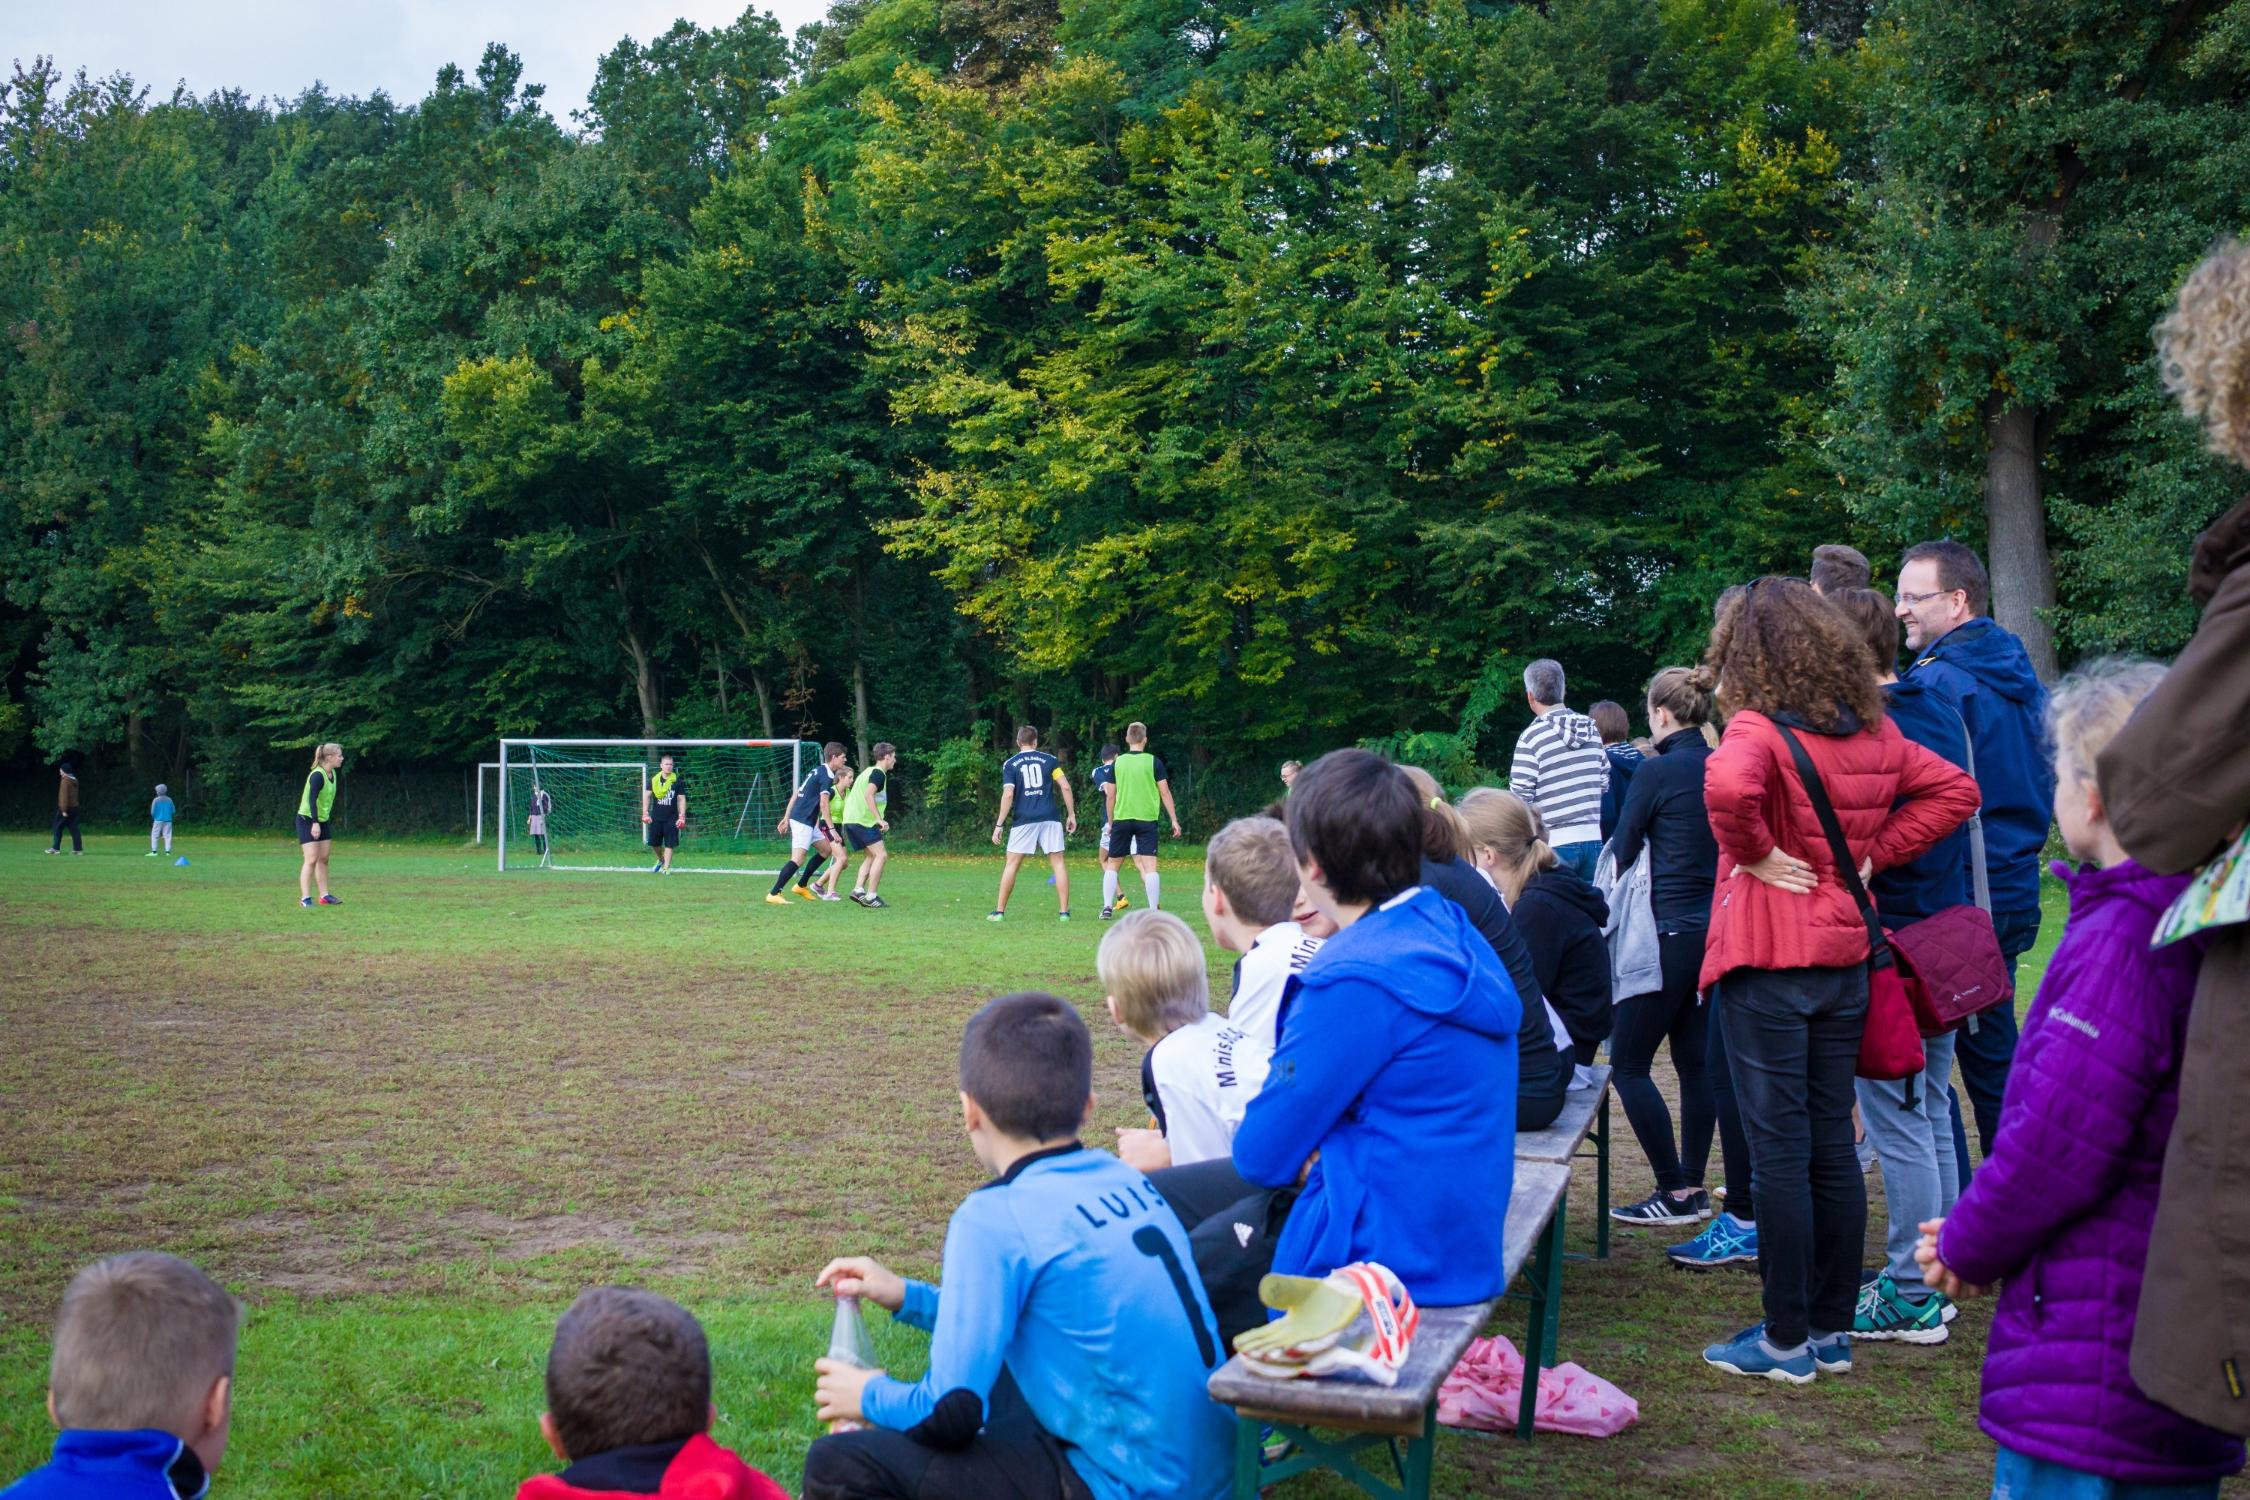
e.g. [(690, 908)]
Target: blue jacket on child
[(93, 1464), (1987, 673), (1072, 1273), (1397, 1063)]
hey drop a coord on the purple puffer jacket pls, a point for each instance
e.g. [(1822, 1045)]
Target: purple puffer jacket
[(2061, 1211)]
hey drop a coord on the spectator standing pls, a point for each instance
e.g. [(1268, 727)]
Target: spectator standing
[(160, 814), (2062, 1210), (1788, 945), (66, 810), (2176, 781), (1624, 757), (1944, 598), (1910, 1121), (1836, 568), (1560, 770), (1664, 817)]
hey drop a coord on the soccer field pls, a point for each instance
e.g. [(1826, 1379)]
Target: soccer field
[(409, 1129)]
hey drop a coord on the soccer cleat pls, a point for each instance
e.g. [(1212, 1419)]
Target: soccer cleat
[(830, 896), (657, 868), (1725, 1241), (776, 899), (877, 903), (1886, 1315), (1833, 1354), (54, 851), (330, 901), (1661, 1207), (1108, 912), (807, 894), (305, 902), (152, 852), (998, 916), (1747, 1353), (1062, 916), (1122, 903), (859, 898)]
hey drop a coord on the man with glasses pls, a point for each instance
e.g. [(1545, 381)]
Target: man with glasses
[(1959, 650)]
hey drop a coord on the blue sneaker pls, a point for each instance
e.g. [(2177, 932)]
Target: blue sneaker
[(1727, 1241), (1833, 1354), (1748, 1354)]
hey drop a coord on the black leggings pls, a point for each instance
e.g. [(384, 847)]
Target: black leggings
[(1675, 1013), (1232, 1225), (1012, 1458), (1734, 1144)]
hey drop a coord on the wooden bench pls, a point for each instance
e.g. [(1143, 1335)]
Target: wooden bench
[(1585, 1113), (1373, 1416)]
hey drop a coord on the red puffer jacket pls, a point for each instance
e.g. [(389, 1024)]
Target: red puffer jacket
[(1755, 801)]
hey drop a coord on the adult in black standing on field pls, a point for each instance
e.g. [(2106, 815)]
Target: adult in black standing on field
[(66, 810), (1959, 650)]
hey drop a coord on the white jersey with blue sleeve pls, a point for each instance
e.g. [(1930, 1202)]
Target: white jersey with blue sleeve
[(1074, 1275)]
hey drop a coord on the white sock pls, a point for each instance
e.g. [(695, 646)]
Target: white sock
[(1153, 883), (1109, 889)]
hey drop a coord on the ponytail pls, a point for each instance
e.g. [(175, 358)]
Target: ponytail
[(322, 752), (1444, 835), (1510, 830)]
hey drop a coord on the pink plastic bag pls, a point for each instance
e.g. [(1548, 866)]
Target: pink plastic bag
[(1485, 1391)]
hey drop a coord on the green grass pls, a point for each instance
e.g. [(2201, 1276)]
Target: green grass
[(408, 1130)]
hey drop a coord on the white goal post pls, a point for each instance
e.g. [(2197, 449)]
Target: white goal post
[(576, 804)]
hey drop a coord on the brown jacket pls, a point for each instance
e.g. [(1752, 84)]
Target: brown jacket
[(66, 792), (2177, 783)]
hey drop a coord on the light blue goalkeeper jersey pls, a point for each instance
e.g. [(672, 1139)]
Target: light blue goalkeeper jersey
[(1072, 1273)]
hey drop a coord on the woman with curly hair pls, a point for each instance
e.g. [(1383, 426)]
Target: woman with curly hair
[(1788, 948), (2176, 782)]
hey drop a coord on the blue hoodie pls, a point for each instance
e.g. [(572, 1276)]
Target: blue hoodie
[(1925, 714), (1397, 1063), (1986, 671), (92, 1464)]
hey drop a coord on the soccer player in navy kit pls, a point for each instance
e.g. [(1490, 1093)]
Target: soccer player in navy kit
[(808, 812), (1030, 782), (1104, 782)]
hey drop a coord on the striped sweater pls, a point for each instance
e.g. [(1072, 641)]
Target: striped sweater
[(1560, 770)]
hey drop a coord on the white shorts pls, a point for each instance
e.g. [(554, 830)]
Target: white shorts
[(803, 836), (1036, 838)]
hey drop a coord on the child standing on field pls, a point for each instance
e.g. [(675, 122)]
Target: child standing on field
[(160, 819), (2061, 1209)]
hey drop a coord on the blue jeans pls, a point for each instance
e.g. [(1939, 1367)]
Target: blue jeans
[(1915, 1145), (1580, 859), (2017, 1477), (1987, 1053), (1793, 1043)]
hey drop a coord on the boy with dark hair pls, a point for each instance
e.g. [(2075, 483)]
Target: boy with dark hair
[(807, 815), (664, 810), (629, 1406), (1071, 1342), (865, 825), (1143, 786), (1836, 567), (1036, 793), (142, 1383)]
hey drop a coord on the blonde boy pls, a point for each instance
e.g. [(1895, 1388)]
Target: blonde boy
[(1159, 991), (142, 1383)]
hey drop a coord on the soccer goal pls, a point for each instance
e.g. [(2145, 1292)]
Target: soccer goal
[(586, 795)]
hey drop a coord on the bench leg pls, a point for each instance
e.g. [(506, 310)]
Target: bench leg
[(1249, 1455), (1601, 1180), (1420, 1454), (1546, 1320)]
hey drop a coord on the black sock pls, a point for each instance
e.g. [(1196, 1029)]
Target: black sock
[(782, 884), (812, 868)]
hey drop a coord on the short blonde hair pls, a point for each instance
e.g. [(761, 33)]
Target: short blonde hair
[(2203, 348), (138, 1342), (1251, 861), (1151, 964), (2091, 704)]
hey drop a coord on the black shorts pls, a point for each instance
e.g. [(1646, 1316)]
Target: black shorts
[(1132, 836), (663, 835), (862, 835), (305, 834)]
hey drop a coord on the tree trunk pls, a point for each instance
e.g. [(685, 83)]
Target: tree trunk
[(765, 703), (859, 709), (2023, 572), (644, 671)]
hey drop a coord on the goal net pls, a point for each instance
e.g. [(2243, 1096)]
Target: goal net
[(577, 804)]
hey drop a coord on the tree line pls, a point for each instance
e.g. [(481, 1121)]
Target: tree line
[(1281, 374)]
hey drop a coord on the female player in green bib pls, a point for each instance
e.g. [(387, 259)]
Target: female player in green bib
[(316, 805)]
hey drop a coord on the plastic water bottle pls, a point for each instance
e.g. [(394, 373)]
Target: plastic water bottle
[(847, 1343)]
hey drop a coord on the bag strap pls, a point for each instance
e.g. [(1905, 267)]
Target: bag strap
[(1847, 868), (1976, 825)]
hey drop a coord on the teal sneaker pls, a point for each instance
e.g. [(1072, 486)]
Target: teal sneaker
[(1727, 1241), (1886, 1315), (1748, 1353), (1833, 1354)]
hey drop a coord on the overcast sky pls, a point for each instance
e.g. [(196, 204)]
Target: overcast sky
[(278, 47)]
